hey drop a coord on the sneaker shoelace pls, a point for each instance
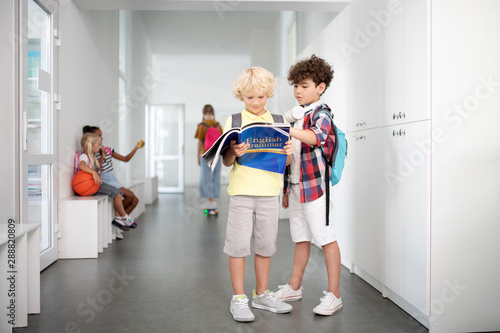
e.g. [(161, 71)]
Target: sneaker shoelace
[(282, 289), (328, 298), (271, 296), (241, 302)]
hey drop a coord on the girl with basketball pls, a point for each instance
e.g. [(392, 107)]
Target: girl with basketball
[(88, 162), (107, 173)]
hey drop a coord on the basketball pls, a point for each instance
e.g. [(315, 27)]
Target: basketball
[(83, 183)]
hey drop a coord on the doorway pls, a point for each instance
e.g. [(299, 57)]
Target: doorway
[(38, 156), (165, 148)]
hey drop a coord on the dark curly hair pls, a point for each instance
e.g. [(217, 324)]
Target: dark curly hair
[(314, 68)]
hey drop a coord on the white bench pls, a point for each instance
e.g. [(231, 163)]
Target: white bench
[(25, 271), (85, 226), (137, 186), (150, 190), (85, 223)]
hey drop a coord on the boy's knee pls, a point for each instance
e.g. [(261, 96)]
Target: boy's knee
[(266, 251)]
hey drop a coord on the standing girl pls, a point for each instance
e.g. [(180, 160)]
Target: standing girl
[(209, 181)]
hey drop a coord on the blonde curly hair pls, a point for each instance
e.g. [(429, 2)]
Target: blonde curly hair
[(254, 78)]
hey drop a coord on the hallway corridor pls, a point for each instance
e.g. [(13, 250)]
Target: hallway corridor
[(170, 275)]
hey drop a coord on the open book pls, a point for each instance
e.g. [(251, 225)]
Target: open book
[(266, 146)]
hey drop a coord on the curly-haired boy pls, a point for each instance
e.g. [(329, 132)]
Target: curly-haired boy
[(305, 182)]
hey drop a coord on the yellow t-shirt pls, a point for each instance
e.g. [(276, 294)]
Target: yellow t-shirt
[(250, 181)]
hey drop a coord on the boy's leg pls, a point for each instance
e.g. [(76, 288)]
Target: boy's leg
[(237, 272), (265, 232), (331, 302), (262, 268), (300, 259), (239, 302), (238, 234), (301, 235), (332, 260), (264, 235)]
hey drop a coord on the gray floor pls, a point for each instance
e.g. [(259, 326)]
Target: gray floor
[(170, 275)]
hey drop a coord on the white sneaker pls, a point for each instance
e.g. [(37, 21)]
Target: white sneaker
[(287, 294), (329, 304), (118, 233), (239, 308), (268, 302)]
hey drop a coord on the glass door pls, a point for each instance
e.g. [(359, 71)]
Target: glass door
[(165, 153), (37, 157)]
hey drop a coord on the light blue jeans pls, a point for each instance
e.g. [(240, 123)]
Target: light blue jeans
[(209, 181)]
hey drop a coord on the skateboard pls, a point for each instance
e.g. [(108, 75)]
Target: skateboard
[(211, 212)]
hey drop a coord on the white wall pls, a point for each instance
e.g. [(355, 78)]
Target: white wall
[(262, 46), (88, 79), (310, 25), (8, 132), (141, 81), (195, 80)]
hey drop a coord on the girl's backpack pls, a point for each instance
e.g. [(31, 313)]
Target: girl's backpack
[(212, 135), (77, 162), (76, 167)]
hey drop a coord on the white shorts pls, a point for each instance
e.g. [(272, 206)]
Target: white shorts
[(308, 219)]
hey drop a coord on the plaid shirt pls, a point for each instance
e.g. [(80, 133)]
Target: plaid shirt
[(312, 163)]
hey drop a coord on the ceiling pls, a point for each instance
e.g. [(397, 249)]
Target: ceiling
[(208, 26), (215, 5), (186, 32)]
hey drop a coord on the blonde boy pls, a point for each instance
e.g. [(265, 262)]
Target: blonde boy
[(254, 203)]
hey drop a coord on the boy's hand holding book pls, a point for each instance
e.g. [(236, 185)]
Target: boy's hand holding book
[(288, 148), (238, 149)]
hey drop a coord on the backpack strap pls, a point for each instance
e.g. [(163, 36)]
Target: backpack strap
[(277, 118), (327, 165), (217, 124), (327, 171), (236, 119)]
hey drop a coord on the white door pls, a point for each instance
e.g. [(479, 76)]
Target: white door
[(165, 148), (415, 213), (36, 121)]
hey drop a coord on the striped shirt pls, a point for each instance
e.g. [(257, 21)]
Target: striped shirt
[(312, 164), (107, 164)]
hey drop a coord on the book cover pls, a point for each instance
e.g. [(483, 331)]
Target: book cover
[(266, 146)]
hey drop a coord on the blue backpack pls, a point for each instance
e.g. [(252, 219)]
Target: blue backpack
[(339, 154), (337, 160)]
